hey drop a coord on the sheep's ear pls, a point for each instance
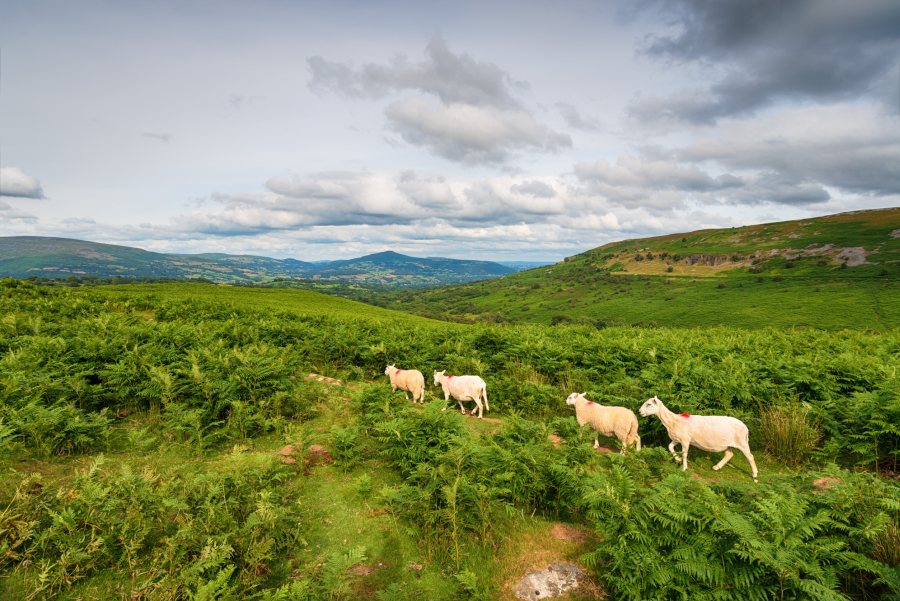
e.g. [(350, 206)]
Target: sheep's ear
[(583, 393)]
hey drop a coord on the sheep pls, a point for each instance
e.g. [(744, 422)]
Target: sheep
[(410, 380), (463, 388), (607, 420), (713, 433)]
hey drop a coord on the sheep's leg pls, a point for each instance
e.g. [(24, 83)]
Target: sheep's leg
[(672, 450), (596, 443), (480, 409), (728, 455), (745, 449), (446, 398), (637, 442), (685, 445)]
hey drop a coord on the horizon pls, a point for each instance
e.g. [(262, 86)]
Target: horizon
[(394, 251), (503, 131)]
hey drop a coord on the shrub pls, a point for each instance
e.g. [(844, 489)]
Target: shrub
[(789, 433)]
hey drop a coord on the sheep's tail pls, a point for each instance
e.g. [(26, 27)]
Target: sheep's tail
[(484, 394)]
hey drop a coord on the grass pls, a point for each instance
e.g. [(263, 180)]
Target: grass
[(610, 286), (340, 507)]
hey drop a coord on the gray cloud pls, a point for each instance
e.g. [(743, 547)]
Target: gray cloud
[(535, 188), (471, 134), (653, 175), (765, 51), (14, 182), (458, 108), (853, 148), (9, 214), (454, 78), (575, 119), (164, 138)]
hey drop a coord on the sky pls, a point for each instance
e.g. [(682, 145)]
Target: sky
[(502, 131)]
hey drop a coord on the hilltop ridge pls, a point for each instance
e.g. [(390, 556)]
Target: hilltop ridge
[(837, 271)]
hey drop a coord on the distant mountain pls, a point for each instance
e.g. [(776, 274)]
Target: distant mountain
[(835, 271), (45, 257), (523, 265), (391, 267)]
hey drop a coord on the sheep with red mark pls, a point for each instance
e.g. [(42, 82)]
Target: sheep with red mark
[(463, 388), (407, 380), (607, 420), (713, 433)]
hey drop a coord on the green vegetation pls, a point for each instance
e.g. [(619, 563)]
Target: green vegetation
[(799, 273), (140, 426), (76, 261)]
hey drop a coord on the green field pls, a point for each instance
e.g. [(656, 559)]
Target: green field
[(141, 424), (705, 278)]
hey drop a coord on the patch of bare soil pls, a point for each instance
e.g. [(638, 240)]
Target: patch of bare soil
[(360, 569), (326, 379), (568, 532), (825, 483), (603, 449), (554, 439)]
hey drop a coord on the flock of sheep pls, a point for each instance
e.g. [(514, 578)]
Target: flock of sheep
[(713, 433)]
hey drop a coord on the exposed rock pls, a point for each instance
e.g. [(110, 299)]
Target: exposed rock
[(556, 580), (852, 256)]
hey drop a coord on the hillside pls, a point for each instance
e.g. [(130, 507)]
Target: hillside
[(839, 271), (45, 257), (186, 440)]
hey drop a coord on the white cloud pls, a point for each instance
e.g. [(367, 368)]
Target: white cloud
[(14, 182)]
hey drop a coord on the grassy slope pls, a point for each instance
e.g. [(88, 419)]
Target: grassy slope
[(727, 286)]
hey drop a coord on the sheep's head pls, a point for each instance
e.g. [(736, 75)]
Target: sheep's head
[(650, 407), (387, 370), (574, 397), (438, 376)]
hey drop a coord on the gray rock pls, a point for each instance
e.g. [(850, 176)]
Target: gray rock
[(557, 579)]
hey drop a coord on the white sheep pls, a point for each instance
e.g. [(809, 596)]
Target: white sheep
[(463, 388), (410, 380), (713, 433), (608, 420)]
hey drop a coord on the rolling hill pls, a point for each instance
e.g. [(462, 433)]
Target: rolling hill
[(839, 271), (45, 257)]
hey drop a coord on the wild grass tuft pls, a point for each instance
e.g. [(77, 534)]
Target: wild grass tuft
[(789, 433)]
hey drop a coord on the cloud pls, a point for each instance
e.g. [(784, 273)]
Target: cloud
[(653, 175), (14, 182), (10, 215), (471, 134), (576, 120), (850, 147), (453, 105), (164, 138), (454, 78), (760, 52), (535, 188)]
